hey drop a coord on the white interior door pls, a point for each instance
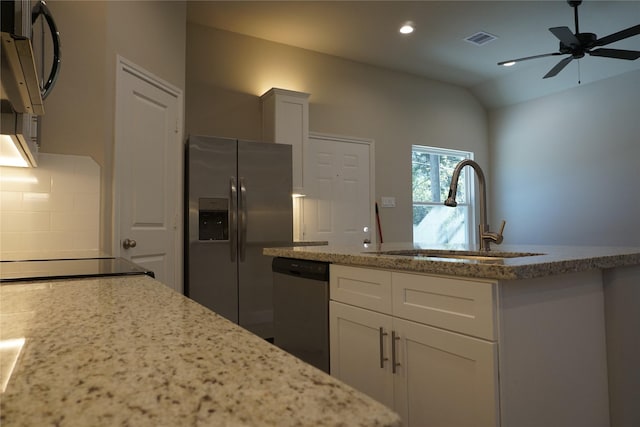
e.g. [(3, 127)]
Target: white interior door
[(338, 183), (148, 173)]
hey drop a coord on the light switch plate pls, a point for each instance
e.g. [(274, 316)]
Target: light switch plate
[(388, 202)]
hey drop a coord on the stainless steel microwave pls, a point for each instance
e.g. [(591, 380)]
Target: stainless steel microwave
[(30, 67)]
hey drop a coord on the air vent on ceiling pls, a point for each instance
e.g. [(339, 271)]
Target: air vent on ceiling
[(480, 38)]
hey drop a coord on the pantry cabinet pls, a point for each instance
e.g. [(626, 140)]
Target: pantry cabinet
[(285, 120), (430, 375)]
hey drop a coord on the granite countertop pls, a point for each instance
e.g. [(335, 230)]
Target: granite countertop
[(131, 351), (539, 261)]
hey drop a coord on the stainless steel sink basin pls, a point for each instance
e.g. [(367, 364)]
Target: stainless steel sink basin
[(467, 255)]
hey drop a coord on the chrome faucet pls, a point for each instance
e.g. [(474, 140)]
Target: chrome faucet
[(485, 236)]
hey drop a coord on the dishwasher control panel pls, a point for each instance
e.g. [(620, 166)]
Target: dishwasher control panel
[(309, 269)]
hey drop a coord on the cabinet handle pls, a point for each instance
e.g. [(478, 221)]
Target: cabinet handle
[(394, 363), (382, 358)]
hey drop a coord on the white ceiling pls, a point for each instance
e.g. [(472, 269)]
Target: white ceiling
[(367, 31)]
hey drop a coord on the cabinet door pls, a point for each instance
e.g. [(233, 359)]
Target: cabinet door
[(285, 120), (360, 356), (444, 379)]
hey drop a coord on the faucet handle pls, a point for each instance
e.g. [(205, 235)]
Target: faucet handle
[(502, 227), (491, 236), (499, 234)]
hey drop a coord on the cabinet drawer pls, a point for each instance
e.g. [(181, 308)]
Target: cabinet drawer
[(465, 306), (363, 287)]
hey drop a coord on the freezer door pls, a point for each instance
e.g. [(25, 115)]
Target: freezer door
[(212, 276), (266, 220)]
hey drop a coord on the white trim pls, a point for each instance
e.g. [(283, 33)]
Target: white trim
[(341, 138), (372, 170), (442, 151), (123, 65)]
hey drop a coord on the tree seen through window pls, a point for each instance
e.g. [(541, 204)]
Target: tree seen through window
[(431, 177)]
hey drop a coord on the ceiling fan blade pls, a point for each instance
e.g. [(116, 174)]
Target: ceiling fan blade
[(565, 35), (629, 32), (530, 57), (559, 66), (616, 53)]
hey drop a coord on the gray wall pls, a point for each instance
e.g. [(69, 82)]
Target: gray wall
[(79, 113), (565, 171), (226, 74), (565, 167)]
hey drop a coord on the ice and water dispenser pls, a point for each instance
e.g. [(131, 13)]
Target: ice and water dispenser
[(213, 219)]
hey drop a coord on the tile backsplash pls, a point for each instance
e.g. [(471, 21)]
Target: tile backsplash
[(52, 208)]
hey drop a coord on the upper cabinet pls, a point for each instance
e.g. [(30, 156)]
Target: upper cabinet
[(285, 120)]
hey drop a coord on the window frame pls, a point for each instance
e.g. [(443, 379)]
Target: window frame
[(469, 181)]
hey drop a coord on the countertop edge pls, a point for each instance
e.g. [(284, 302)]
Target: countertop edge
[(531, 267)]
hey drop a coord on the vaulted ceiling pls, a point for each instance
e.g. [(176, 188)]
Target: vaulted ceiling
[(367, 31)]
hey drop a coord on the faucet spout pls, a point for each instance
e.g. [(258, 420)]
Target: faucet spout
[(451, 200), (485, 236)]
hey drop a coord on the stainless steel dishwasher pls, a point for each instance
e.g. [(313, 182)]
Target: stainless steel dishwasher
[(301, 309)]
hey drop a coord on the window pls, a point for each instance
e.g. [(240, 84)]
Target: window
[(434, 223)]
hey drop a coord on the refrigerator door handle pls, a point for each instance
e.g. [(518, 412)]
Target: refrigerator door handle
[(242, 235), (233, 213)]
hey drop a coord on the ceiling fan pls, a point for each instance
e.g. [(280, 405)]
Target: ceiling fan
[(579, 44)]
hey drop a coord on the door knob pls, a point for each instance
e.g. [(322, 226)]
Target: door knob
[(129, 243)]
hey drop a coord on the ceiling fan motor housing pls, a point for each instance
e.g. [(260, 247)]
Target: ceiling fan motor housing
[(586, 40)]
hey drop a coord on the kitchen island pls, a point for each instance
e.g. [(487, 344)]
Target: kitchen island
[(130, 351), (521, 336)]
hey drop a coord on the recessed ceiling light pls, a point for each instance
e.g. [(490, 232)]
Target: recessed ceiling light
[(407, 28)]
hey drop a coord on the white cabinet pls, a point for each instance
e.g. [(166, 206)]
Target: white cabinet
[(444, 378), (363, 287), (471, 352), (460, 305), (387, 347), (360, 352), (285, 120)]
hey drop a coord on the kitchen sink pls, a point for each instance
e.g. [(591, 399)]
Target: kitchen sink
[(452, 254)]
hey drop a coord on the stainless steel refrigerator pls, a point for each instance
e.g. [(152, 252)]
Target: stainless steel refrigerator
[(238, 201)]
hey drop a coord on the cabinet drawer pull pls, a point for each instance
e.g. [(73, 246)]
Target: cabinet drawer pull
[(394, 362), (382, 358)]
